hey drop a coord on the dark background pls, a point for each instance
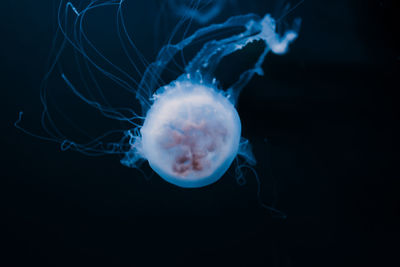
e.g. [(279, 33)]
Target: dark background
[(323, 123)]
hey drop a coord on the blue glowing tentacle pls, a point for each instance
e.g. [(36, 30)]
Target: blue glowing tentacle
[(93, 148), (195, 13), (274, 42), (214, 51), (113, 77), (143, 100), (108, 112), (181, 23), (275, 212), (246, 151), (91, 76), (96, 146), (79, 43), (121, 24), (45, 116), (78, 21), (235, 89), (117, 79), (167, 53), (186, 32), (79, 67)]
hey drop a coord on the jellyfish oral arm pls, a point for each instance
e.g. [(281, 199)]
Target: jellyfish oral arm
[(212, 52)]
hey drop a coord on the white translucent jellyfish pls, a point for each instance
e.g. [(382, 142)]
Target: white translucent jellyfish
[(192, 130), (188, 129), (191, 134)]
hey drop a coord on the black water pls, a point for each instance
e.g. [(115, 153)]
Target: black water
[(323, 122)]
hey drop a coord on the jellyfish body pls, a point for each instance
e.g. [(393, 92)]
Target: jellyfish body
[(189, 130), (191, 134)]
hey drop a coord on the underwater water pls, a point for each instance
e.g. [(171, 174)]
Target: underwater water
[(246, 137)]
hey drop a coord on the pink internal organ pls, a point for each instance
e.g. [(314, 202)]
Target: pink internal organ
[(193, 143)]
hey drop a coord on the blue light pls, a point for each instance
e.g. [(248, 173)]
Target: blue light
[(187, 129)]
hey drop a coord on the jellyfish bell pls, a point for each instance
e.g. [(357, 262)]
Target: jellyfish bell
[(191, 133)]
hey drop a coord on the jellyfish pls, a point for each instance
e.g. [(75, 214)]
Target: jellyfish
[(187, 129)]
